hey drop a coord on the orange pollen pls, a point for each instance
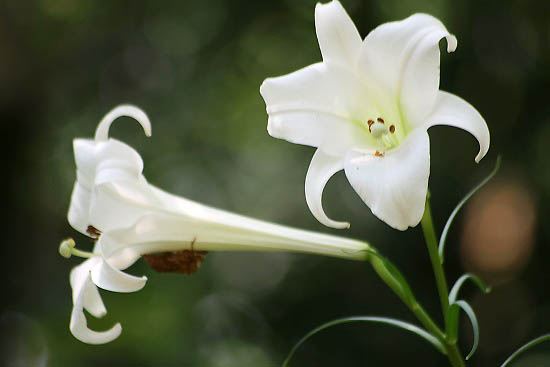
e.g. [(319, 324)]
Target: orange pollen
[(378, 154)]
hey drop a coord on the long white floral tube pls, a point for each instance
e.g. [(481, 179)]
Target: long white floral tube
[(113, 202)]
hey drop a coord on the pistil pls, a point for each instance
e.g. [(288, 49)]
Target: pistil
[(67, 249)]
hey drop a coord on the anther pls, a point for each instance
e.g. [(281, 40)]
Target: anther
[(370, 122), (380, 119), (378, 154), (93, 232), (392, 128)]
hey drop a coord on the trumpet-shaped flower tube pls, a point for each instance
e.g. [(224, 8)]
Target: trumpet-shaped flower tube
[(113, 203), (367, 107)]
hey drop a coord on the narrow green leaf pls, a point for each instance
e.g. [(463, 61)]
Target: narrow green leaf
[(461, 204), (460, 281), (473, 319), (524, 347), (382, 320)]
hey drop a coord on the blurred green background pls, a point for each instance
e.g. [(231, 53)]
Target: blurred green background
[(195, 67)]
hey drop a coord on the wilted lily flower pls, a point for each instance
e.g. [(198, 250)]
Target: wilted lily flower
[(367, 107), (113, 203)]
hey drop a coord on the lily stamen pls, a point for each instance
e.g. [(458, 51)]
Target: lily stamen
[(67, 249)]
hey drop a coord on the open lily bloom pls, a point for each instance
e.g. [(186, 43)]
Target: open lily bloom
[(113, 203), (367, 107)]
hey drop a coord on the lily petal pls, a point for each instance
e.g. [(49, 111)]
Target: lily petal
[(402, 58), (119, 204), (316, 106), (452, 110), (79, 329), (394, 186), (86, 291), (102, 160), (97, 163), (86, 296), (321, 169), (107, 277), (339, 40), (102, 131)]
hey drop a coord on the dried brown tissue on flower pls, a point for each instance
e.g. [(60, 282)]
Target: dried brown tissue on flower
[(93, 232), (183, 261)]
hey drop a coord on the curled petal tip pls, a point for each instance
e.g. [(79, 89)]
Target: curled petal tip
[(102, 314), (482, 151), (107, 277), (80, 330), (479, 157), (452, 43), (102, 131), (329, 222), (264, 86), (321, 169), (328, 4), (320, 215)]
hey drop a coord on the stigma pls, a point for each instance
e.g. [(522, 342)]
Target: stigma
[(384, 135)]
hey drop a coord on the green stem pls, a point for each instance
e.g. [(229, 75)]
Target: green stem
[(431, 242), (393, 278), (409, 300), (454, 355), (427, 321)]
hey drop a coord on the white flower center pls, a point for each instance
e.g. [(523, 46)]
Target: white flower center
[(384, 134)]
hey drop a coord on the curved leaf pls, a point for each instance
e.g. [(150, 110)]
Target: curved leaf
[(451, 322), (461, 204), (524, 347), (383, 320), (460, 281)]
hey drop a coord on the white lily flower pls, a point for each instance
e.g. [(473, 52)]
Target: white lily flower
[(367, 107), (113, 202)]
